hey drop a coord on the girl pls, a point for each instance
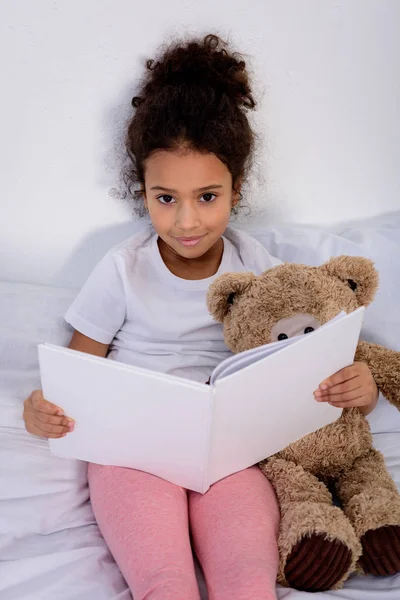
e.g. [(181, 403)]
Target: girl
[(190, 144)]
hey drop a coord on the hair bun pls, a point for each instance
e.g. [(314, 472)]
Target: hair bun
[(203, 64)]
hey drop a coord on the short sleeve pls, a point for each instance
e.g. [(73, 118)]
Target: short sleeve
[(99, 310)]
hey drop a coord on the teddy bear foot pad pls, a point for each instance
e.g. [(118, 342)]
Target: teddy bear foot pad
[(317, 564), (381, 551)]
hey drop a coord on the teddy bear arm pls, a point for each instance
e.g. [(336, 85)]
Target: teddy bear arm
[(385, 367)]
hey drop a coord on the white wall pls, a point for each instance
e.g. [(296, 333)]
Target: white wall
[(328, 72)]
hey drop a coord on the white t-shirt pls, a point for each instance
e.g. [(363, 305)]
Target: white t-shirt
[(150, 317)]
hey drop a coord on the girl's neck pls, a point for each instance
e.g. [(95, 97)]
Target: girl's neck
[(192, 268)]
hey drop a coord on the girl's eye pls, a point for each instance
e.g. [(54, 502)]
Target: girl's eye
[(208, 197), (165, 199)]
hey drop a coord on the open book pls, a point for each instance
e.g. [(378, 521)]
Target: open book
[(190, 433)]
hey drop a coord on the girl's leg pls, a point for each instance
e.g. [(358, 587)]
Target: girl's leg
[(144, 521), (235, 531)]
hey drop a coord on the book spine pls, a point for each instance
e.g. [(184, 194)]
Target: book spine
[(206, 483)]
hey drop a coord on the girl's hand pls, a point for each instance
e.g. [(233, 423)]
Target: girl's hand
[(351, 387), (44, 419)]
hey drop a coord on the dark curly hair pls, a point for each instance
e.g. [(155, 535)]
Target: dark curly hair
[(194, 95)]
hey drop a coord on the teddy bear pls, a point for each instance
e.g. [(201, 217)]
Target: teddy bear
[(340, 509)]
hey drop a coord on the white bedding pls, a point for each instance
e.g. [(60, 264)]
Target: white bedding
[(50, 546)]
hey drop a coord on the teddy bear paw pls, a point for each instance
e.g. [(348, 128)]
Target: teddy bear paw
[(381, 551), (317, 564)]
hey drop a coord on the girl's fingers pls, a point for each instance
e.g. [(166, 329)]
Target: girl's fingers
[(344, 398), (52, 420), (45, 434), (340, 377), (45, 428), (52, 430), (44, 419), (344, 384), (346, 390)]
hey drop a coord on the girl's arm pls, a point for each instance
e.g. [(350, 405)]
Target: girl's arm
[(44, 419), (85, 344)]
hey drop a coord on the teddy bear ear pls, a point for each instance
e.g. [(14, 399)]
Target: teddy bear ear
[(223, 291), (358, 273)]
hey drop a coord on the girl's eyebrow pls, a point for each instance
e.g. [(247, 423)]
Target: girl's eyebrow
[(202, 189), (214, 186)]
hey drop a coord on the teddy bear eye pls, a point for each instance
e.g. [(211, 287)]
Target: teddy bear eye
[(309, 330), (282, 336)]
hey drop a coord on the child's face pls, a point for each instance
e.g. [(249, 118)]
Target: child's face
[(189, 197)]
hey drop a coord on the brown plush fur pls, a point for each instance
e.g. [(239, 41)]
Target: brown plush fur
[(340, 456)]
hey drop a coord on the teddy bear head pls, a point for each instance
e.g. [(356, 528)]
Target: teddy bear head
[(288, 300)]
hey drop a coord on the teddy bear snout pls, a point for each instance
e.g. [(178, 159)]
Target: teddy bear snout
[(299, 324)]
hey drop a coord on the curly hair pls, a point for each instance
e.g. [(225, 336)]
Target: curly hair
[(194, 96)]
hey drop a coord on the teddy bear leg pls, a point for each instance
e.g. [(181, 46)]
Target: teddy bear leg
[(372, 503), (317, 545)]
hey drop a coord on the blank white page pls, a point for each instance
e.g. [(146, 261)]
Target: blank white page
[(129, 417), (261, 409)]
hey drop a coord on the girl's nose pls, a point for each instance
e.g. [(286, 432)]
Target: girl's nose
[(187, 217)]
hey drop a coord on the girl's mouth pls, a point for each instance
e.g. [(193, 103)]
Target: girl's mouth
[(189, 241)]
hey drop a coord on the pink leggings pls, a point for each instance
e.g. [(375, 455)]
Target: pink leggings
[(145, 522)]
